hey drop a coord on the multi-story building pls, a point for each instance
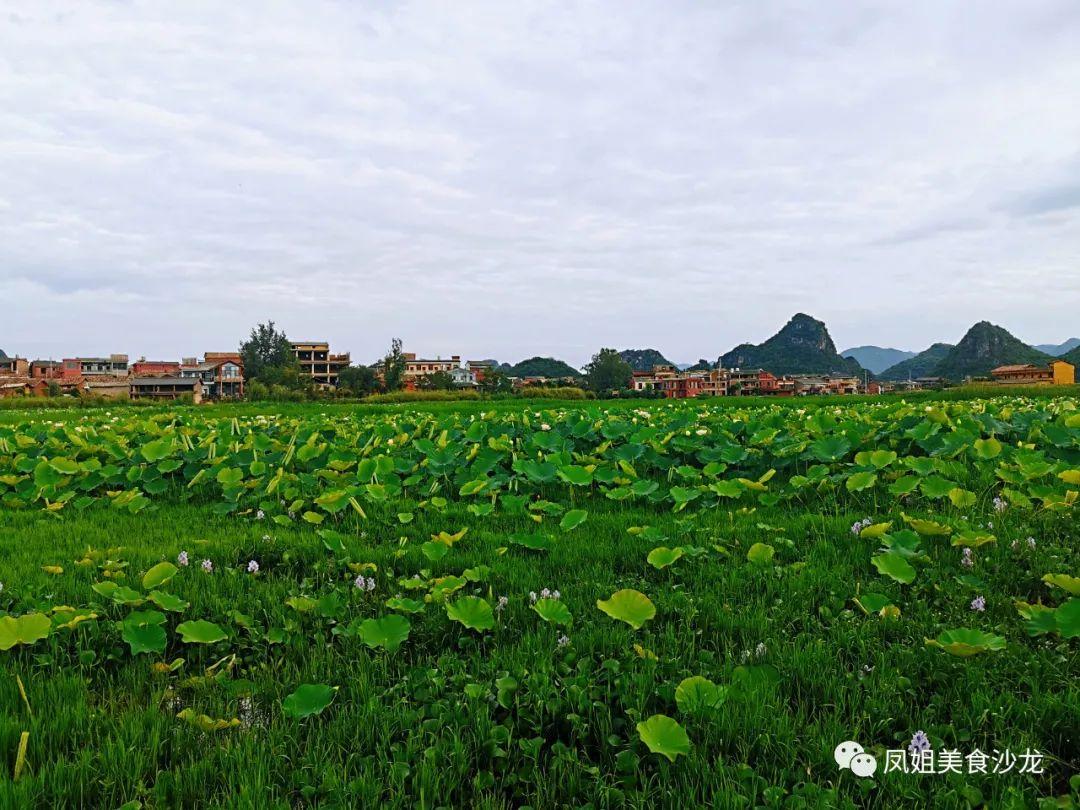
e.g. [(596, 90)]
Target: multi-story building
[(1056, 372), (220, 373), (318, 363), (115, 365)]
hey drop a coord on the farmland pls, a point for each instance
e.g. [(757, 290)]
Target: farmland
[(539, 604)]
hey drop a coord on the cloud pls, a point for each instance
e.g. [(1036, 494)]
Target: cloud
[(510, 179)]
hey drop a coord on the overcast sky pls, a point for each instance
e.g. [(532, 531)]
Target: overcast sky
[(508, 179)]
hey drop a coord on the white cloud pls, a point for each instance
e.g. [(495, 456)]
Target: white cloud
[(507, 179)]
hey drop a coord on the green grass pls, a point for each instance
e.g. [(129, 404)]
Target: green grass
[(403, 731)]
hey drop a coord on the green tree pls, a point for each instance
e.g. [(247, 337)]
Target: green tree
[(269, 358), (54, 388), (495, 382), (393, 367), (607, 372), (358, 380), (438, 381)]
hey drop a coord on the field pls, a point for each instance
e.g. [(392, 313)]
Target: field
[(539, 604)]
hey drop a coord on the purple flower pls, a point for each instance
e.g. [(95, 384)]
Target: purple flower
[(253, 567), (207, 567), (532, 597), (966, 559), (979, 604), (1000, 504), (501, 606), (564, 640), (182, 559), (920, 744)]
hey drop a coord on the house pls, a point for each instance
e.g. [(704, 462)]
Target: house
[(165, 388), (1056, 372), (14, 367), (14, 387), (318, 363), (155, 368), (221, 374), (115, 365), (107, 387), (45, 370)]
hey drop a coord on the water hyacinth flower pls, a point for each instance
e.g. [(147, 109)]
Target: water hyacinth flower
[(920, 744), (564, 640), (979, 604), (1031, 542), (532, 597), (967, 559), (760, 650), (207, 567), (1000, 504), (502, 603), (182, 559), (545, 594), (253, 567)]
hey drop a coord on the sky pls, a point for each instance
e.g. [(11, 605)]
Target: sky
[(510, 179)]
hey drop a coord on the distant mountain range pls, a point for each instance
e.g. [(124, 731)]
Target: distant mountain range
[(644, 359), (803, 346), (1058, 349), (2, 353), (922, 364), (875, 358)]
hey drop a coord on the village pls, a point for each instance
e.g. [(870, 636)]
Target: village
[(220, 376)]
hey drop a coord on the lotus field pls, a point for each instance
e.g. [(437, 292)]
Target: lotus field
[(541, 605)]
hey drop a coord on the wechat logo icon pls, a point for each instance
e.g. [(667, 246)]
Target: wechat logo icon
[(850, 755)]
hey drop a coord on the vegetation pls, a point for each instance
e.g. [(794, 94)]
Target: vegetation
[(803, 346), (269, 359), (393, 367), (358, 381), (608, 374), (503, 604)]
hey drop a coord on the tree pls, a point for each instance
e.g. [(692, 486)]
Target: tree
[(358, 380), (269, 358), (393, 367), (438, 381), (54, 388), (608, 372), (494, 382)]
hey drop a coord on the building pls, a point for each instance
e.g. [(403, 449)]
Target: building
[(45, 370), (14, 367), (115, 365), (1056, 372), (318, 363), (104, 386), (220, 373), (165, 388), (155, 368)]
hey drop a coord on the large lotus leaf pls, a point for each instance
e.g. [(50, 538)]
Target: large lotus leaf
[(26, 629), (553, 611), (473, 612), (628, 605), (987, 449), (1065, 582), (965, 642), (662, 556), (664, 736), (143, 632), (388, 632), (697, 694), (893, 565), (573, 519), (166, 601), (307, 700), (200, 632), (860, 481), (1068, 619), (204, 722), (158, 575), (760, 553), (928, 528), (536, 542)]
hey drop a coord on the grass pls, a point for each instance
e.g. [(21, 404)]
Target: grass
[(510, 718)]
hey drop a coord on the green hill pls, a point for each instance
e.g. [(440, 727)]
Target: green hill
[(644, 359), (923, 364), (543, 367), (803, 346), (1072, 357), (984, 347)]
